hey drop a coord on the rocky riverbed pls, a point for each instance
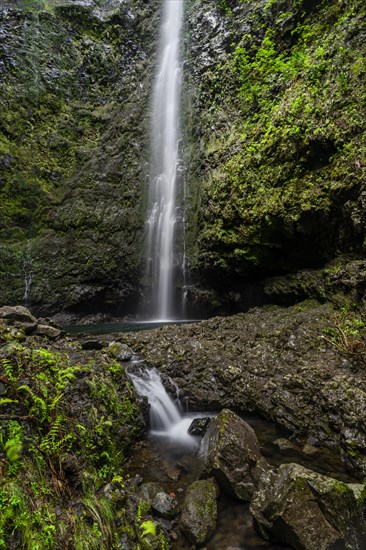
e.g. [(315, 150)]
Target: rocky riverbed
[(300, 367), (68, 408)]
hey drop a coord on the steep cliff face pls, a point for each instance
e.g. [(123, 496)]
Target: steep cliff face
[(75, 87), (274, 138), (277, 149)]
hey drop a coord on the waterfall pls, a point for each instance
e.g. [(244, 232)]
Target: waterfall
[(27, 272), (163, 216), (166, 418)]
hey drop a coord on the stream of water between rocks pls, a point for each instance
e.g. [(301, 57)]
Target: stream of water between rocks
[(167, 457)]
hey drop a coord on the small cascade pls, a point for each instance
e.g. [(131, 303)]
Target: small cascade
[(27, 272), (166, 417)]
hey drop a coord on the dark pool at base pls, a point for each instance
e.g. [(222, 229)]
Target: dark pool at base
[(123, 326)]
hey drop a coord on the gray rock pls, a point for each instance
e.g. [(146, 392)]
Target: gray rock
[(199, 512), (308, 510), (165, 505), (120, 351), (50, 332), (199, 426), (150, 490), (230, 452), (17, 313)]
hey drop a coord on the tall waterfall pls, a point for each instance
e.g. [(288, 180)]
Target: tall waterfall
[(161, 268)]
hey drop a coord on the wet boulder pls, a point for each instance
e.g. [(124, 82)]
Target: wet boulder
[(309, 511), (48, 331), (199, 511), (120, 351), (19, 316), (230, 452), (165, 505), (199, 426)]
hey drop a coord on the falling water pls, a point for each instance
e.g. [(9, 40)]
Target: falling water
[(163, 216), (27, 271), (166, 418)]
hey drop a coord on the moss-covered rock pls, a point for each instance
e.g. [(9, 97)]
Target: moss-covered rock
[(75, 83), (275, 135), (199, 512), (308, 510), (230, 452)]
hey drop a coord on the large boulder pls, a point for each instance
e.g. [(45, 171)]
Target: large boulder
[(199, 511), (230, 452), (309, 511), (17, 313)]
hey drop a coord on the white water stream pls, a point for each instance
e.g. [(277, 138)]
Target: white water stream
[(167, 420), (162, 216)]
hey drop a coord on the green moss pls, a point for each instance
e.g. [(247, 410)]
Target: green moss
[(61, 412), (287, 148), (69, 121)]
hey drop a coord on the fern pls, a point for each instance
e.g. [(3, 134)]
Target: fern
[(13, 445), (148, 528), (53, 403), (8, 369), (56, 442), (39, 405)]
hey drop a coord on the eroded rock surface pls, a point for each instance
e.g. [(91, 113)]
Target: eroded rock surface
[(309, 511), (199, 512), (282, 363), (230, 452)]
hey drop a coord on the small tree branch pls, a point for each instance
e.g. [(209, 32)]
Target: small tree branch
[(16, 417)]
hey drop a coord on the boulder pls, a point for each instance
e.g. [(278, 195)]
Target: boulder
[(120, 351), (199, 511), (165, 505), (199, 426), (17, 313), (150, 490), (309, 511), (50, 332), (230, 452)]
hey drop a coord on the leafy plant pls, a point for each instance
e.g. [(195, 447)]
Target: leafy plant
[(347, 336)]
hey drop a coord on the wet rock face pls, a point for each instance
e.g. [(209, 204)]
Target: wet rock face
[(307, 510), (199, 512), (76, 80), (199, 426), (230, 452), (239, 86)]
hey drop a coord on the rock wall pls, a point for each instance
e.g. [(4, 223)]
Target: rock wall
[(274, 127), (75, 87), (275, 136)]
